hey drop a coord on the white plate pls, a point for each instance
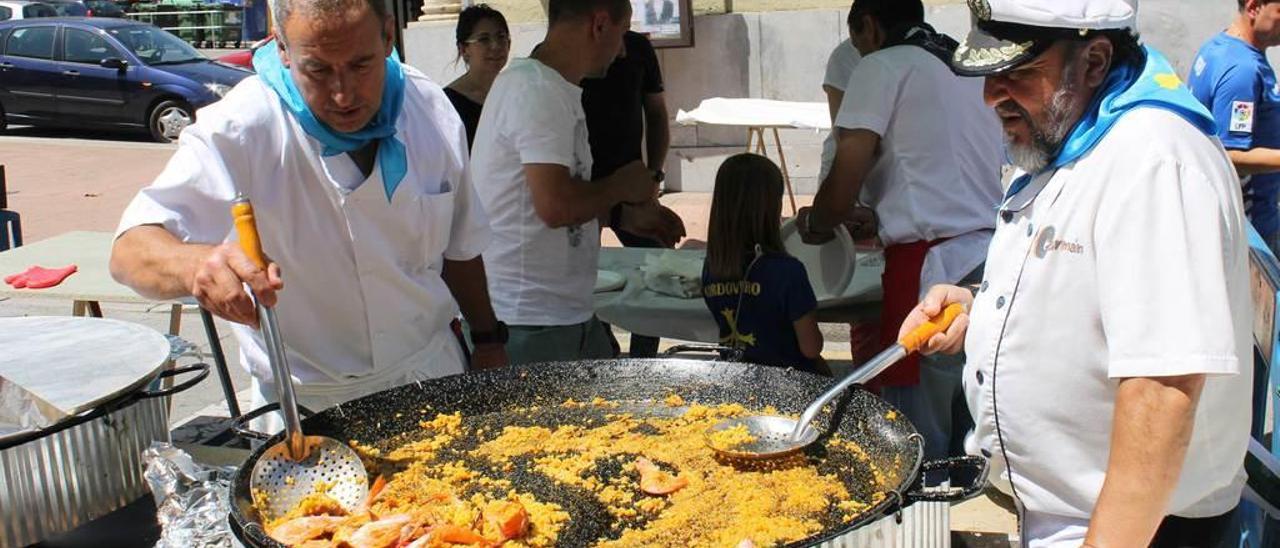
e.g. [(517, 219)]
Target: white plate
[(608, 280), (830, 265)]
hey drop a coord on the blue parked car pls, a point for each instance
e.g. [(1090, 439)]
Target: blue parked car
[(102, 72)]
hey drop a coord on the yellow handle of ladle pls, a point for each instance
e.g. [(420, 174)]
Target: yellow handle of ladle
[(247, 228), (917, 337)]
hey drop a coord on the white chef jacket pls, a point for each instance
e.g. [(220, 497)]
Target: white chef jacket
[(937, 174), (363, 300), (1129, 262), (537, 275)]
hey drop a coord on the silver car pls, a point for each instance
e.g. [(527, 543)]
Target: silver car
[(25, 9)]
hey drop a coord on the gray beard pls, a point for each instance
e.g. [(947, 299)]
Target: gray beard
[(1045, 141)]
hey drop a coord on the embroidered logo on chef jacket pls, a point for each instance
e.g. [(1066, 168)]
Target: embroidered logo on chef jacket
[(1242, 116), (1046, 243), (575, 235)]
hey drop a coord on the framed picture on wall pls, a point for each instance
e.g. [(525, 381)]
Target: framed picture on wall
[(668, 23)]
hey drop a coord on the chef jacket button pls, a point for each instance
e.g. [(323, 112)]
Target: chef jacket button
[(985, 284), (985, 453), (1030, 229), (979, 378), (1000, 302), (1006, 216)]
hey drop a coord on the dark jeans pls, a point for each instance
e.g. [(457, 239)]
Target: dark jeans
[(1215, 532), (641, 346)]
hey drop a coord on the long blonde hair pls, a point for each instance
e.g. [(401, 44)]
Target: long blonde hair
[(746, 209)]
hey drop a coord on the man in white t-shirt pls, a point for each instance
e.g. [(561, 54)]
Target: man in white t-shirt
[(1109, 346), (917, 144), (844, 57), (532, 166), (357, 170)]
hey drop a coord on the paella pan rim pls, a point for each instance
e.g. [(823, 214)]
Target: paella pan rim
[(718, 382)]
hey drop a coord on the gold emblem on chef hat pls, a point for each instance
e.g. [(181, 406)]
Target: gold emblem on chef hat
[(981, 9)]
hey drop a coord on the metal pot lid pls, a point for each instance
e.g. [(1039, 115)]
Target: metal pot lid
[(53, 368)]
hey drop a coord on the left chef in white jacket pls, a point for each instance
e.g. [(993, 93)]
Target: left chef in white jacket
[(357, 170)]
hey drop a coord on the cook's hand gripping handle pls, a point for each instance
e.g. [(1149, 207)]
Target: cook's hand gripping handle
[(247, 228), (878, 364), (915, 339)]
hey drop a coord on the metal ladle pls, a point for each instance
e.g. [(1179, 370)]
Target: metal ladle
[(301, 465), (775, 436)]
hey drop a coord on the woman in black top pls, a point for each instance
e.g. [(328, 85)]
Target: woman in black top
[(484, 41)]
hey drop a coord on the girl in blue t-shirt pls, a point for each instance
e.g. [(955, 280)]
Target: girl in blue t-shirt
[(760, 296)]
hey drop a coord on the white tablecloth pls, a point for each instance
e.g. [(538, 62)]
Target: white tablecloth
[(642, 311), (758, 113)]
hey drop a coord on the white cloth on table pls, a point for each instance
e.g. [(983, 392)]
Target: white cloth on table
[(840, 64), (363, 292), (538, 275), (640, 310), (674, 273), (937, 174), (1129, 262)]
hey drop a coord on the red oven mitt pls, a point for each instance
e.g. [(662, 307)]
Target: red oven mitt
[(39, 277)]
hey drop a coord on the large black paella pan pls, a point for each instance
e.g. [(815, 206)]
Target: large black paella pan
[(887, 474)]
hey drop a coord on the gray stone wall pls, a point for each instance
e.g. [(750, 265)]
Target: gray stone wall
[(782, 55)]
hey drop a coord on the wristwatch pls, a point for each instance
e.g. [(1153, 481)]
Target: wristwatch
[(803, 223), (659, 175), (498, 335)]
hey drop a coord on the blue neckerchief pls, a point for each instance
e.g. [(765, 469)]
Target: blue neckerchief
[(391, 152), (1126, 88)]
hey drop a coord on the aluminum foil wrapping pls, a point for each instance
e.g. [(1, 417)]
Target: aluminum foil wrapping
[(23, 411), (192, 500)]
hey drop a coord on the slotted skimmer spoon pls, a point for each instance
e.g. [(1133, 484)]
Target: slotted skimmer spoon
[(301, 465), (774, 436)]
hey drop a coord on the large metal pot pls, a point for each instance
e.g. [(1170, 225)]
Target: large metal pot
[(891, 442), (88, 463)]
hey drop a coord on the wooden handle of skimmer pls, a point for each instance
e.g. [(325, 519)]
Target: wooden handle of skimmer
[(247, 228), (917, 337)]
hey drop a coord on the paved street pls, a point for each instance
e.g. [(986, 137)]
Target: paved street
[(59, 181)]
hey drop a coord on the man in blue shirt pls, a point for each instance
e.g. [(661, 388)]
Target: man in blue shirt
[(1232, 77)]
